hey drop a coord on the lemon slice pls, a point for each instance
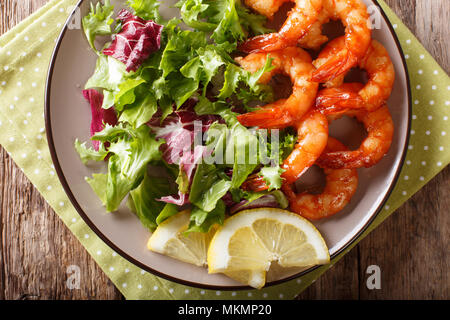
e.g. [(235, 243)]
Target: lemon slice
[(252, 239), (168, 239), (255, 279)]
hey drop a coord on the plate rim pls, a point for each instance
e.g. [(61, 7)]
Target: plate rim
[(141, 265)]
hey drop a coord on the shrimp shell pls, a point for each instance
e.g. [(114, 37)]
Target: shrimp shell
[(295, 63), (354, 16), (341, 185), (380, 129), (374, 94), (297, 24)]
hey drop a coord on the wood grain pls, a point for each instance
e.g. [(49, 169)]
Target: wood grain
[(417, 264), (36, 248)]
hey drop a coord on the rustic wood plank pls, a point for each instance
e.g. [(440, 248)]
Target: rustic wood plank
[(36, 247), (415, 266), (340, 282), (432, 29)]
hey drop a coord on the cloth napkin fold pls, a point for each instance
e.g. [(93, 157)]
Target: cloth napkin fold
[(25, 53)]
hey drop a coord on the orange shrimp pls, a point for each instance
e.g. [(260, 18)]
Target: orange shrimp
[(377, 90), (314, 38), (312, 138), (339, 99), (295, 63), (329, 51), (299, 20), (340, 187), (380, 129), (354, 16), (311, 141), (266, 7)]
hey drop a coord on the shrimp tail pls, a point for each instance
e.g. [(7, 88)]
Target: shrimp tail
[(335, 100), (267, 118), (263, 43), (335, 67)]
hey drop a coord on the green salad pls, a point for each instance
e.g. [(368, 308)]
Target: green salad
[(164, 97)]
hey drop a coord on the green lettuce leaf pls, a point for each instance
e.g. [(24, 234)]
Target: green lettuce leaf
[(144, 200), (228, 20), (132, 150), (109, 73), (98, 21), (245, 84), (125, 94), (142, 110), (98, 184), (208, 187), (110, 133), (146, 9), (180, 49), (233, 144), (87, 154), (272, 176), (203, 221), (169, 210)]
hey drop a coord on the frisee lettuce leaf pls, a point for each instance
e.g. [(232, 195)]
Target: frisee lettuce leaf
[(272, 176), (98, 22), (245, 84), (146, 9), (228, 20), (131, 151), (86, 154)]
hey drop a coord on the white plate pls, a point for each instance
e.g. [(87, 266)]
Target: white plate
[(68, 117)]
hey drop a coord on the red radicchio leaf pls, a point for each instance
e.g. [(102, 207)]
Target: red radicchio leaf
[(178, 130), (188, 163), (100, 116), (267, 201), (135, 42)]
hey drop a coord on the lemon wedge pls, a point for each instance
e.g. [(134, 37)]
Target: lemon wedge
[(252, 239), (255, 279), (168, 239)]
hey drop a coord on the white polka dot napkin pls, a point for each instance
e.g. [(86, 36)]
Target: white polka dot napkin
[(24, 58)]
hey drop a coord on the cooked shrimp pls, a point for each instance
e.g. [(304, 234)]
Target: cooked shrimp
[(314, 38), (308, 25), (311, 141), (297, 24), (380, 129), (295, 63), (331, 49), (340, 186), (266, 7), (377, 90), (354, 16), (339, 99), (312, 136)]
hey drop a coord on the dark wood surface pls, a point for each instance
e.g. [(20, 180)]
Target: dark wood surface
[(410, 247)]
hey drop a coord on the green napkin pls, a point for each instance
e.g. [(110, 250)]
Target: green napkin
[(24, 58)]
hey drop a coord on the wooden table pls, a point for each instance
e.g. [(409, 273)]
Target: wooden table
[(411, 247)]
